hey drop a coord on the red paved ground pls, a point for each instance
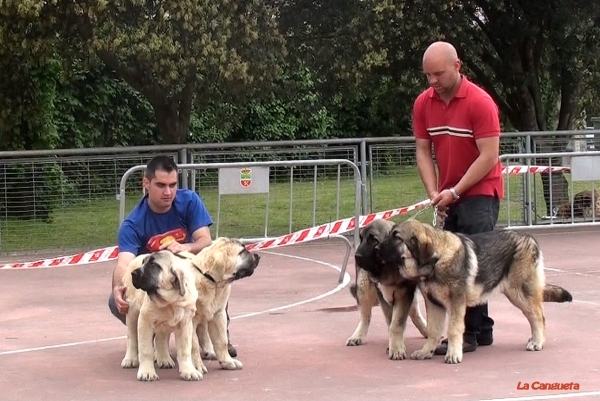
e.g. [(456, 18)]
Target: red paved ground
[(58, 340)]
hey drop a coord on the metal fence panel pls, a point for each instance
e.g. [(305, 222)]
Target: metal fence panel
[(307, 212), (63, 203), (581, 206), (64, 200)]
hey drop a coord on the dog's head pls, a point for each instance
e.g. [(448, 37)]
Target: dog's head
[(162, 276), (226, 260), (366, 255), (410, 249)]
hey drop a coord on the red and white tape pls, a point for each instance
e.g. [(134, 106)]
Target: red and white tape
[(515, 170), (98, 255), (309, 234), (305, 235), (335, 227)]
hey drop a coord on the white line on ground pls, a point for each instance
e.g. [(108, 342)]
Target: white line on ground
[(571, 272), (548, 397), (22, 351)]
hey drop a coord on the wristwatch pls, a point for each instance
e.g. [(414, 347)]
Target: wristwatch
[(454, 194)]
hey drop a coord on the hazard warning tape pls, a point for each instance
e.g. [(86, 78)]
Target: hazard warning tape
[(98, 255), (515, 170), (304, 235), (335, 227)]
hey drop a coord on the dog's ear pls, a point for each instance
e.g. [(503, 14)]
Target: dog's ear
[(177, 280), (423, 251), (137, 263)]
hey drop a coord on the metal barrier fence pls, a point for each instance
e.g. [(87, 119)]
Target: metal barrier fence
[(64, 200), (581, 206), (242, 186)]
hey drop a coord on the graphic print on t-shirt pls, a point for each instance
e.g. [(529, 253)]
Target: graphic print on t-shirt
[(178, 235)]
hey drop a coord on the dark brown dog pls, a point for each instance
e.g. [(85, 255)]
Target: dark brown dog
[(394, 294)]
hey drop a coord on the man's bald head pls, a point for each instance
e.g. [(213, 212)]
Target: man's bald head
[(442, 68), (440, 51)]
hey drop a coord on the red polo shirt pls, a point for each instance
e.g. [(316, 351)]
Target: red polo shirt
[(453, 130)]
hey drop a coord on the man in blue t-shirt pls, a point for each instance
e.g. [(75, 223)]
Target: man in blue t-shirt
[(166, 218)]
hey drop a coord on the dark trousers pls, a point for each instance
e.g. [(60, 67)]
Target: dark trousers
[(113, 309), (474, 215)]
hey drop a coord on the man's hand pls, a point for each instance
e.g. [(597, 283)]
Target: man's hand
[(122, 304), (442, 199), (438, 200), (175, 247)]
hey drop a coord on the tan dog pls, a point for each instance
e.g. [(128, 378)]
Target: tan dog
[(215, 268), (162, 295), (454, 271), (395, 294)]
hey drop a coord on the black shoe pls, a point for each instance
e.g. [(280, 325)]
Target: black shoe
[(231, 349), (442, 349), (485, 338)]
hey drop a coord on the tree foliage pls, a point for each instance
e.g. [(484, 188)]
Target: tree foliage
[(176, 53), (538, 60), (196, 71)]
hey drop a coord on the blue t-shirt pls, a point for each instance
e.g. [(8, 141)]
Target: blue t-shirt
[(187, 214)]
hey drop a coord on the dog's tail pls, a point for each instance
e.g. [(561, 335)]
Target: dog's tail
[(554, 293)]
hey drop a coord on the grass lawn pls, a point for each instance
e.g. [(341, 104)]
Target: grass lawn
[(93, 223)]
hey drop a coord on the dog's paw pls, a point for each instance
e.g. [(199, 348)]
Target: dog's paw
[(396, 348), (202, 368), (199, 365), (165, 363), (128, 363), (231, 364), (147, 375), (422, 354), (454, 357), (209, 356), (192, 375), (352, 341), (397, 354), (534, 345)]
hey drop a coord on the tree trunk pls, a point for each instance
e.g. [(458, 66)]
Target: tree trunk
[(173, 114), (557, 181), (531, 118), (172, 124), (559, 194)]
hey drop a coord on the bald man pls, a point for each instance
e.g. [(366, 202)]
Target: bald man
[(458, 122)]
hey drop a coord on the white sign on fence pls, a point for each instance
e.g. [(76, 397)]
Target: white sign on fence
[(246, 180), (585, 168)]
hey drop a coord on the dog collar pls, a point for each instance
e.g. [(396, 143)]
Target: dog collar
[(208, 276)]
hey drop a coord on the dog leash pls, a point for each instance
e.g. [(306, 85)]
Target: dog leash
[(414, 216), (435, 217), (434, 223)]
